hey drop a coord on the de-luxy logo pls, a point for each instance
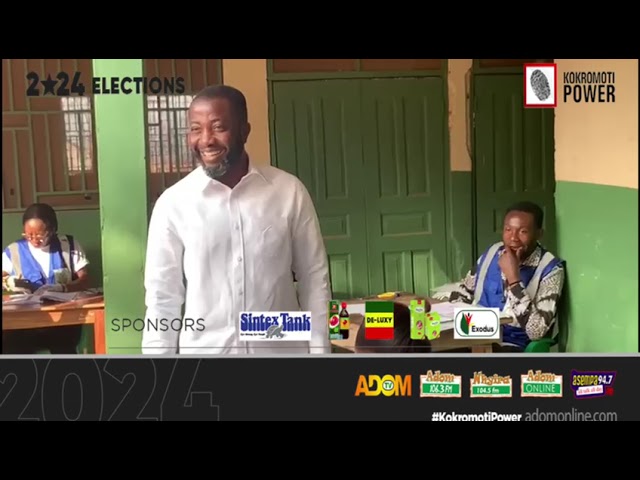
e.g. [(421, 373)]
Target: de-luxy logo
[(63, 84)]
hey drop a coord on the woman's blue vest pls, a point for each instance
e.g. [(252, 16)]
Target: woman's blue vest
[(26, 265)]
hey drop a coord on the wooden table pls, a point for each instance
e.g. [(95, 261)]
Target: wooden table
[(86, 311), (444, 343)]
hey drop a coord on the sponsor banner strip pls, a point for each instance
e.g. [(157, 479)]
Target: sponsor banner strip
[(332, 387)]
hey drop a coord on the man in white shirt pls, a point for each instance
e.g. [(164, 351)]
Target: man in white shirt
[(227, 239)]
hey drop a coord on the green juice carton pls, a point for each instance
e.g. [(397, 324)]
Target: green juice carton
[(417, 309), (432, 325)]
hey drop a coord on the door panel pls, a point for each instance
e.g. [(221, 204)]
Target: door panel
[(403, 121), (514, 156), (318, 139)]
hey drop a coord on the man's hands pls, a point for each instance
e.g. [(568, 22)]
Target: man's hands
[(509, 263)]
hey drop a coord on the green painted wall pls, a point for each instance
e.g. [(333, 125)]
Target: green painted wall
[(598, 237), (82, 224), (120, 133)]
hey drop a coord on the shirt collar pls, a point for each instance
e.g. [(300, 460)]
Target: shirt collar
[(203, 181), (534, 259)]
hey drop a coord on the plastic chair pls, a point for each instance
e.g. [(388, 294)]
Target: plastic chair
[(543, 345)]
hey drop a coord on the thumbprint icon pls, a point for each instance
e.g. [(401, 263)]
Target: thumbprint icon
[(540, 85)]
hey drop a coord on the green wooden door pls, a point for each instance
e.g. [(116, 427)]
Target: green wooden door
[(371, 153), (318, 138), (513, 158), (403, 129)]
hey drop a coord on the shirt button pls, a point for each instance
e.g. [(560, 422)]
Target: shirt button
[(240, 292), (239, 259), (237, 227)]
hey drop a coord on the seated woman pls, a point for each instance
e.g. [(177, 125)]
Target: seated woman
[(402, 341), (43, 260)]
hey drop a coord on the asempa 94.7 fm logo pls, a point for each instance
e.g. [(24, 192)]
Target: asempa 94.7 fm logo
[(592, 384)]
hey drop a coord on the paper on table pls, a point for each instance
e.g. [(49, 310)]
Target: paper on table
[(33, 299), (445, 309), (356, 308), (63, 297), (25, 299)]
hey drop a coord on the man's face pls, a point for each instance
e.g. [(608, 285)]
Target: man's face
[(36, 233), (216, 137), (520, 233)]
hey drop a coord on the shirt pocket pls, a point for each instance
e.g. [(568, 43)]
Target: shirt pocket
[(274, 238)]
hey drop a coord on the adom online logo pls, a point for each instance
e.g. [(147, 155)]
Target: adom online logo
[(476, 322)]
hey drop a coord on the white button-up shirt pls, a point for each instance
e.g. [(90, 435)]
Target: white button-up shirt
[(221, 251)]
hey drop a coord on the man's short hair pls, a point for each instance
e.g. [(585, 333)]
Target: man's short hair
[(235, 97), (528, 207), (401, 343)]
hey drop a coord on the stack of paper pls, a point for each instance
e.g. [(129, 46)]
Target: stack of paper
[(63, 297), (60, 297), (22, 299), (445, 309)]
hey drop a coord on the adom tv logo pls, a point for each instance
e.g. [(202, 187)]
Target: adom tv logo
[(476, 322), (386, 385)]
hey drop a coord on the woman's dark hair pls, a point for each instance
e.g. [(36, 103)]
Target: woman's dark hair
[(402, 341), (44, 212)]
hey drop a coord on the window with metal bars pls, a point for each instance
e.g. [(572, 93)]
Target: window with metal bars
[(78, 130), (167, 135)]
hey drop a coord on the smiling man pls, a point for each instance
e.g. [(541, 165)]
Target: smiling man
[(228, 238), (519, 277)]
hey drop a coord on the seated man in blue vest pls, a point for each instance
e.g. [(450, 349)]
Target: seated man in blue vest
[(519, 277)]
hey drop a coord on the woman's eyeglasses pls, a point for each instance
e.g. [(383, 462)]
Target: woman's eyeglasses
[(43, 236)]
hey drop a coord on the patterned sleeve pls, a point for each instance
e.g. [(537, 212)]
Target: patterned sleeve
[(465, 290), (537, 316)]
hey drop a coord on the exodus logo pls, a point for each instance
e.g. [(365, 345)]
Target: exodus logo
[(592, 384), (476, 323), (387, 385), (292, 326)]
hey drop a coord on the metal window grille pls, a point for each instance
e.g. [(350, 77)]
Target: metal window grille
[(78, 134), (167, 131)]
